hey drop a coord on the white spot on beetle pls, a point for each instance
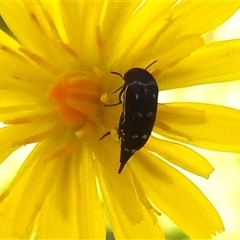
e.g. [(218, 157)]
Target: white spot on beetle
[(150, 114)]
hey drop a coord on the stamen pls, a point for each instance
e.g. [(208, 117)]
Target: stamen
[(84, 130), (99, 38), (35, 20), (45, 133), (66, 48), (13, 53), (76, 98), (40, 61)]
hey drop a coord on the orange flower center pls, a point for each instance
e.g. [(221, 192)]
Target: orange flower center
[(76, 98)]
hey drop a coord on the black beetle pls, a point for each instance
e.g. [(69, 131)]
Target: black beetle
[(139, 95)]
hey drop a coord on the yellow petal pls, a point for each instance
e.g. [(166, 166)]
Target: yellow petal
[(181, 156), (19, 69), (199, 17), (182, 23), (121, 12), (81, 20), (37, 37), (26, 114), (8, 208), (113, 184), (150, 18), (26, 195), (21, 134), (73, 208), (177, 52), (6, 145), (6, 39), (176, 196), (12, 137), (22, 17), (90, 216), (216, 62), (58, 146), (129, 219), (204, 125), (58, 216)]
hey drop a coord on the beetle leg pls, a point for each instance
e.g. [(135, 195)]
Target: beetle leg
[(104, 135), (120, 96), (114, 104)]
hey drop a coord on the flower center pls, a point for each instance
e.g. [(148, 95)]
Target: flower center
[(76, 98)]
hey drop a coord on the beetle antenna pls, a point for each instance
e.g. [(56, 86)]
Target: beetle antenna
[(117, 73), (150, 64), (118, 89)]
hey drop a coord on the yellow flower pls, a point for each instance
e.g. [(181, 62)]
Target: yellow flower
[(54, 75)]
